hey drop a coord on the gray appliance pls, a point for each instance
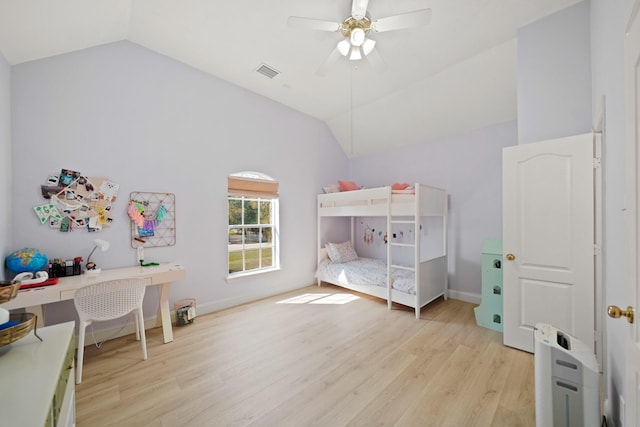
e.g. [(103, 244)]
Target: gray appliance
[(566, 380)]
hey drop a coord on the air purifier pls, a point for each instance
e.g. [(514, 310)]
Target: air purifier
[(567, 380)]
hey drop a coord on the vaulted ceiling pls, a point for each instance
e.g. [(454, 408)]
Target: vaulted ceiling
[(456, 74)]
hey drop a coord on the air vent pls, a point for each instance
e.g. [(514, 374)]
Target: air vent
[(268, 71)]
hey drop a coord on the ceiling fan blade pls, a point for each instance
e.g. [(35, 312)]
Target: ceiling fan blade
[(313, 24), (359, 8), (331, 59), (404, 20), (376, 61)]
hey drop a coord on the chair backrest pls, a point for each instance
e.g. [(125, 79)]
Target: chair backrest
[(109, 300)]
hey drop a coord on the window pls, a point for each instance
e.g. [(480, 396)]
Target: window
[(253, 223)]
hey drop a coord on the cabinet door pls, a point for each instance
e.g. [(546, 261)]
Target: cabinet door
[(67, 416)]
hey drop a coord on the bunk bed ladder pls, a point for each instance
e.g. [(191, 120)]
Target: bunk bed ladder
[(415, 222)]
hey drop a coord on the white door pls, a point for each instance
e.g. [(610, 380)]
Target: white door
[(632, 94), (548, 239)]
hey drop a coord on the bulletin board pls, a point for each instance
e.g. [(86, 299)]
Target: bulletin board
[(75, 201), (153, 219)]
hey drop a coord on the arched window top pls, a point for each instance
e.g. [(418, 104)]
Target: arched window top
[(252, 184), (252, 175)]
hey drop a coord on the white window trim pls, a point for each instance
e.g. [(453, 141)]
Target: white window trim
[(275, 255), (248, 274)]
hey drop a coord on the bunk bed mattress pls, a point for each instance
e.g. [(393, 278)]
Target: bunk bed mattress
[(366, 272)]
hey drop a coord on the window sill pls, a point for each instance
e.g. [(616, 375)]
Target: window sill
[(248, 274)]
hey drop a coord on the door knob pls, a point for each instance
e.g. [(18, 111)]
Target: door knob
[(510, 257), (615, 312)]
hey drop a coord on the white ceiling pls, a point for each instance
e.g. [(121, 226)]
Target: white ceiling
[(454, 75)]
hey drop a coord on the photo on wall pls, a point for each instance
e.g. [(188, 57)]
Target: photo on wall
[(68, 178)]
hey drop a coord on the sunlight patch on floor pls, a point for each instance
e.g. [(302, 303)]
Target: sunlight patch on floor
[(320, 299)]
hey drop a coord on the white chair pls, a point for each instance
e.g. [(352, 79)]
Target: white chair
[(105, 301)]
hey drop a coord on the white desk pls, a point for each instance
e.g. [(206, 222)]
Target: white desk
[(35, 299)]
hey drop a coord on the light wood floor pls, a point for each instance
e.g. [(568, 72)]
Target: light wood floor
[(271, 363)]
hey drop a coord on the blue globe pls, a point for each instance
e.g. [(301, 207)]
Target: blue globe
[(27, 259)]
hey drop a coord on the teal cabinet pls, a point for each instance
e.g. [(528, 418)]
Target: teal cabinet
[(489, 312)]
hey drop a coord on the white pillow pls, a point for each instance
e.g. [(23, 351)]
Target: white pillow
[(341, 252), (332, 188)]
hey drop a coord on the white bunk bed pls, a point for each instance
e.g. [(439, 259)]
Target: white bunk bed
[(430, 277)]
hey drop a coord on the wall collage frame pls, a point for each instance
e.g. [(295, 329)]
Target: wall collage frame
[(76, 201)]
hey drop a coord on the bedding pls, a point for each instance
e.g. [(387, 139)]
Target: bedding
[(366, 272), (400, 186), (341, 252), (347, 185), (344, 186), (332, 188)]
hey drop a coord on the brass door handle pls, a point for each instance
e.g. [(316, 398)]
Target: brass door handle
[(510, 257), (615, 312)]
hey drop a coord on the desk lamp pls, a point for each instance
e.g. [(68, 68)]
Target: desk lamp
[(91, 266)]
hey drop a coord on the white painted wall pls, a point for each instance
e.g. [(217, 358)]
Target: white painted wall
[(554, 78), (608, 21), (469, 167), (153, 124), (5, 161)]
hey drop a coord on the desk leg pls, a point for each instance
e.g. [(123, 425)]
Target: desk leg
[(38, 310), (164, 315)]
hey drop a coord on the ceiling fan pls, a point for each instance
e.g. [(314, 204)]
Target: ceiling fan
[(355, 29)]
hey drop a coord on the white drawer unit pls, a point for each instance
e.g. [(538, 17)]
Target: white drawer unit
[(38, 380)]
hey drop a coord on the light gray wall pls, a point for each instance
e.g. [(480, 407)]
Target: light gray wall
[(5, 161), (554, 53), (552, 72), (469, 167), (153, 124), (608, 21)]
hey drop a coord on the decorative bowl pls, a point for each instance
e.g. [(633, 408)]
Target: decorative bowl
[(26, 322), (8, 290)]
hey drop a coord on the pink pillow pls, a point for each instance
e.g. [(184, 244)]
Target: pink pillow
[(398, 186), (347, 185)]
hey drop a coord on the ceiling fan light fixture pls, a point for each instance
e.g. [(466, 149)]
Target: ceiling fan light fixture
[(368, 46), (357, 37), (355, 54), (344, 47)]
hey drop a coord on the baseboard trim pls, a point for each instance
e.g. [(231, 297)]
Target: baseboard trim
[(465, 296)]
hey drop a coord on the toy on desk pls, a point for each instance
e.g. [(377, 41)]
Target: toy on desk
[(50, 281), (41, 279), (28, 278)]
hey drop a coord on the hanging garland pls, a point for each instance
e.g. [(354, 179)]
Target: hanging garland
[(145, 226)]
